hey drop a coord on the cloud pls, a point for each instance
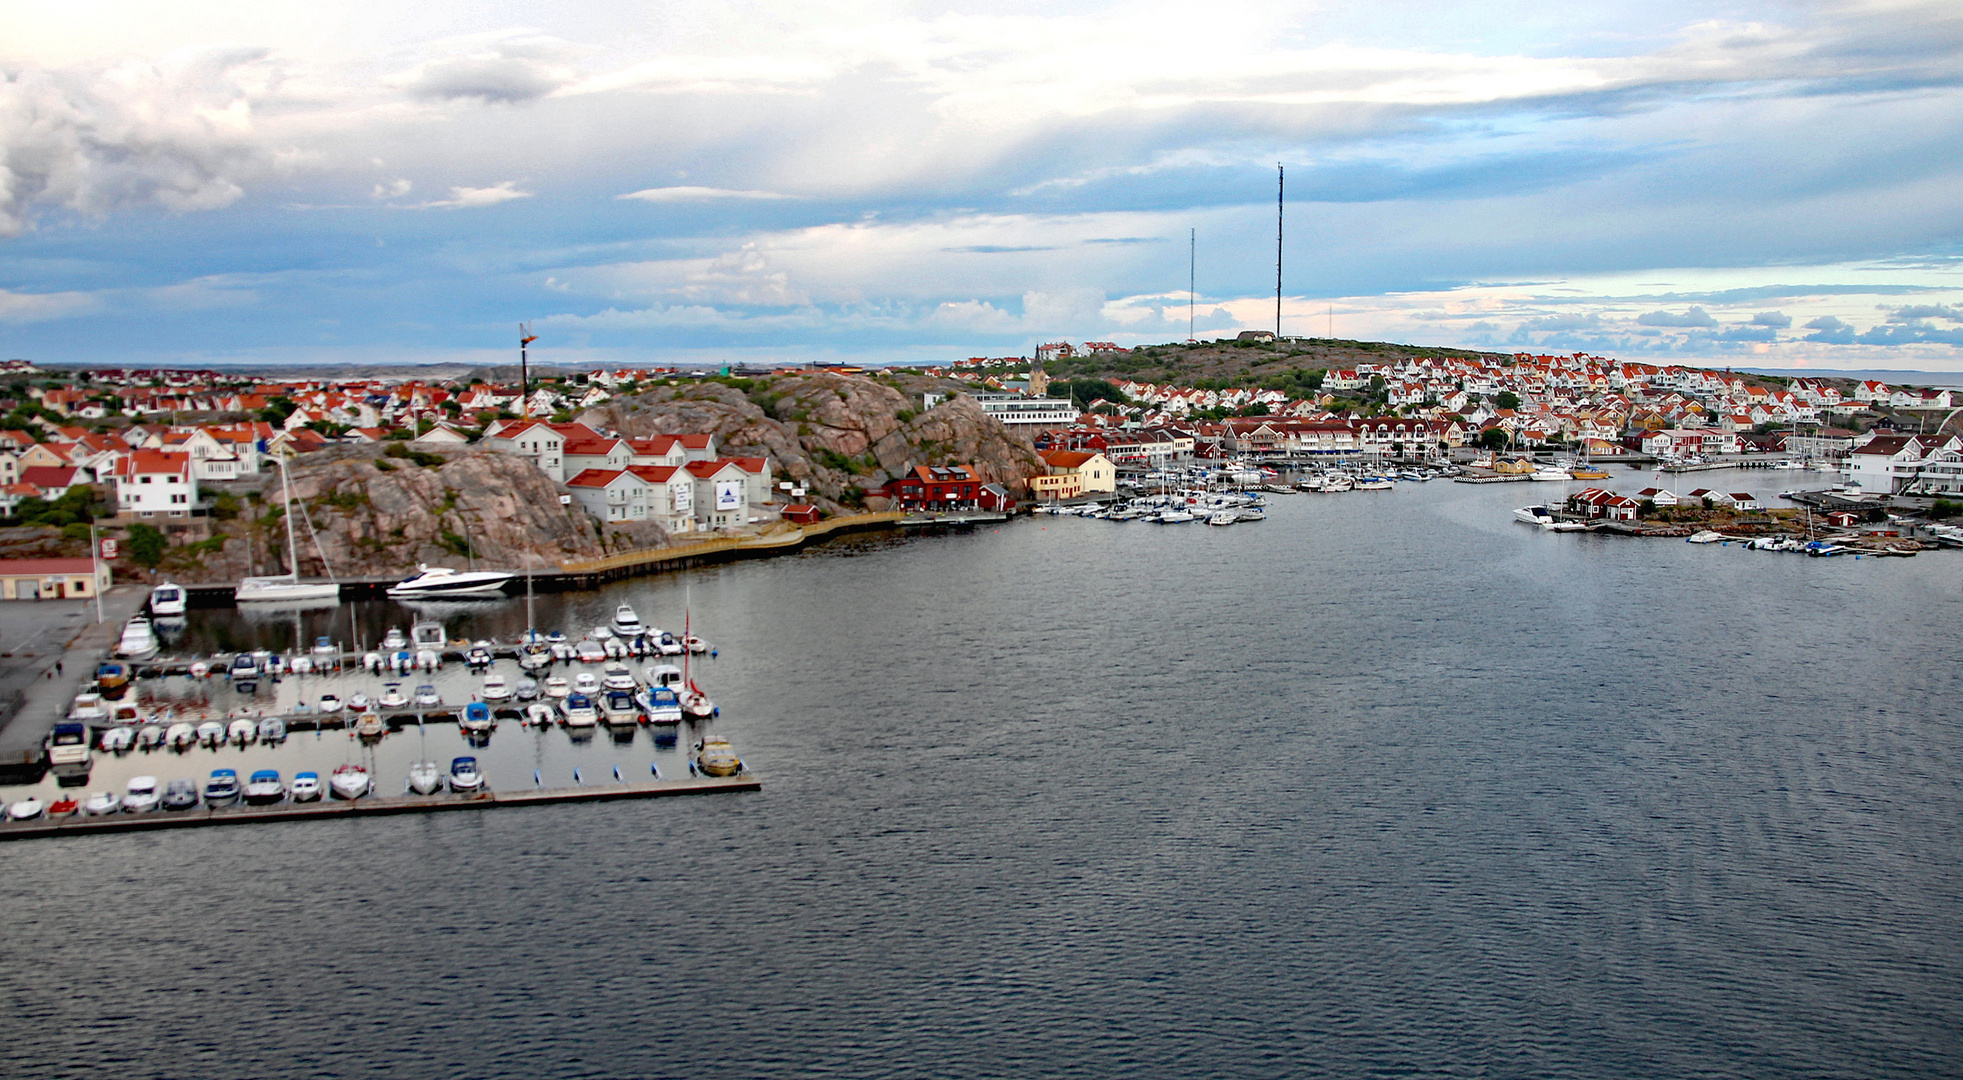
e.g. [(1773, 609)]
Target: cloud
[(38, 307), (178, 133), (1778, 320), (470, 198), (696, 194), (1952, 312), (1830, 331), (1693, 317), (394, 189)]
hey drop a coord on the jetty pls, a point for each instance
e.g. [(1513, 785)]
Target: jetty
[(370, 806)]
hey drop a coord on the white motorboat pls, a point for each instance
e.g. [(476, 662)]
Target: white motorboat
[(88, 709), (1534, 515), (476, 719), (118, 739), (534, 657), (272, 730), (68, 744), (1176, 517), (441, 581), (617, 677), (429, 634), (1223, 517), (242, 731), (427, 697), (465, 775), (589, 651), (392, 697), (539, 714), (211, 733), (26, 809), (393, 641), (626, 624), (306, 787), (329, 703), (168, 599), (667, 675), (661, 704), (150, 736), (425, 778), (370, 726), (140, 795), (349, 782), (103, 802), (586, 683), (525, 690), (264, 788), (495, 688), (697, 706), (1375, 483), (557, 686), (139, 641), (358, 703), (579, 711), (1549, 474)]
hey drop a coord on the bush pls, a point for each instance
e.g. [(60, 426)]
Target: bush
[(146, 545), (401, 452), (1943, 508)]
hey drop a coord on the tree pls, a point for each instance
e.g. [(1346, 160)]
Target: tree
[(1495, 439), (1506, 399), (146, 544), (1085, 391)]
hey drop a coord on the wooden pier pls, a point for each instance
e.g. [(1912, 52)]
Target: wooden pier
[(369, 806)]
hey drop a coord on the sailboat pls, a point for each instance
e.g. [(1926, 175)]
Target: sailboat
[(288, 588), (695, 704)]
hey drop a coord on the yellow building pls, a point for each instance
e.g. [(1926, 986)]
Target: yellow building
[(1092, 473)]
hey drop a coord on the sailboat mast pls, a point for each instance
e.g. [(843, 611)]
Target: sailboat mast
[(286, 504)]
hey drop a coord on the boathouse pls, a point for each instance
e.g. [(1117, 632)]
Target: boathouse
[(49, 579)]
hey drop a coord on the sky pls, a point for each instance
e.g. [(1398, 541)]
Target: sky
[(1775, 184)]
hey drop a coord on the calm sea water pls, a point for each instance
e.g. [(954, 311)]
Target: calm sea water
[(1386, 785)]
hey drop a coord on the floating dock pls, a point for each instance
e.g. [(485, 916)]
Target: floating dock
[(368, 806)]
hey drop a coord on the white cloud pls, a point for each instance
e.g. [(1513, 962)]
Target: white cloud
[(394, 189), (38, 307), (470, 198), (695, 194)]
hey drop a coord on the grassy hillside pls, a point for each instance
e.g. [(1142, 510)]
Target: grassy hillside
[(1281, 365)]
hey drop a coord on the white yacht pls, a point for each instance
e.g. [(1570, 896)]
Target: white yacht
[(1223, 517), (349, 782), (167, 599), (139, 641), (626, 624), (425, 778), (1548, 473), (443, 581), (1544, 518)]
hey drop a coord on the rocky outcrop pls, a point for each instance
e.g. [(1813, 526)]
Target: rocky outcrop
[(839, 435), (376, 514)]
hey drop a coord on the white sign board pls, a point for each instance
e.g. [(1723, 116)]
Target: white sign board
[(729, 494), (684, 498)]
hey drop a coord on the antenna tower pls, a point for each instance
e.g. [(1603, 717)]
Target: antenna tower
[(1280, 180), (525, 337)]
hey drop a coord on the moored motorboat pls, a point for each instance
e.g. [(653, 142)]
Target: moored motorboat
[(427, 697), (329, 703), (242, 731), (223, 789), (151, 736), (211, 733), (64, 807), (465, 776), (585, 682), (476, 718), (26, 809), (263, 788), (495, 688), (370, 725), (579, 711), (618, 708), (626, 624), (715, 757), (696, 705), (68, 743), (168, 599), (392, 699), (662, 704), (306, 787), (117, 740), (441, 581), (556, 686), (525, 690), (539, 714), (183, 735), (272, 730), (140, 795), (139, 641), (103, 802)]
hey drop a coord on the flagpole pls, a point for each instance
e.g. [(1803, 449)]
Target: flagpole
[(95, 571)]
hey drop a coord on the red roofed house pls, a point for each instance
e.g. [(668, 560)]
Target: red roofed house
[(49, 481), (1070, 473), (722, 495), (155, 483)]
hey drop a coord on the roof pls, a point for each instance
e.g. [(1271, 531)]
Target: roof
[(657, 474), (49, 476), (153, 461), (1067, 459), (14, 567), (596, 478)]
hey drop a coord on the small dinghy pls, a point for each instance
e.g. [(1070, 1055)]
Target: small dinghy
[(211, 733), (150, 736), (103, 802), (539, 714), (272, 730), (119, 739), (242, 731)]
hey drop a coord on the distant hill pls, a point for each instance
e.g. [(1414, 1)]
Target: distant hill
[(1245, 363)]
